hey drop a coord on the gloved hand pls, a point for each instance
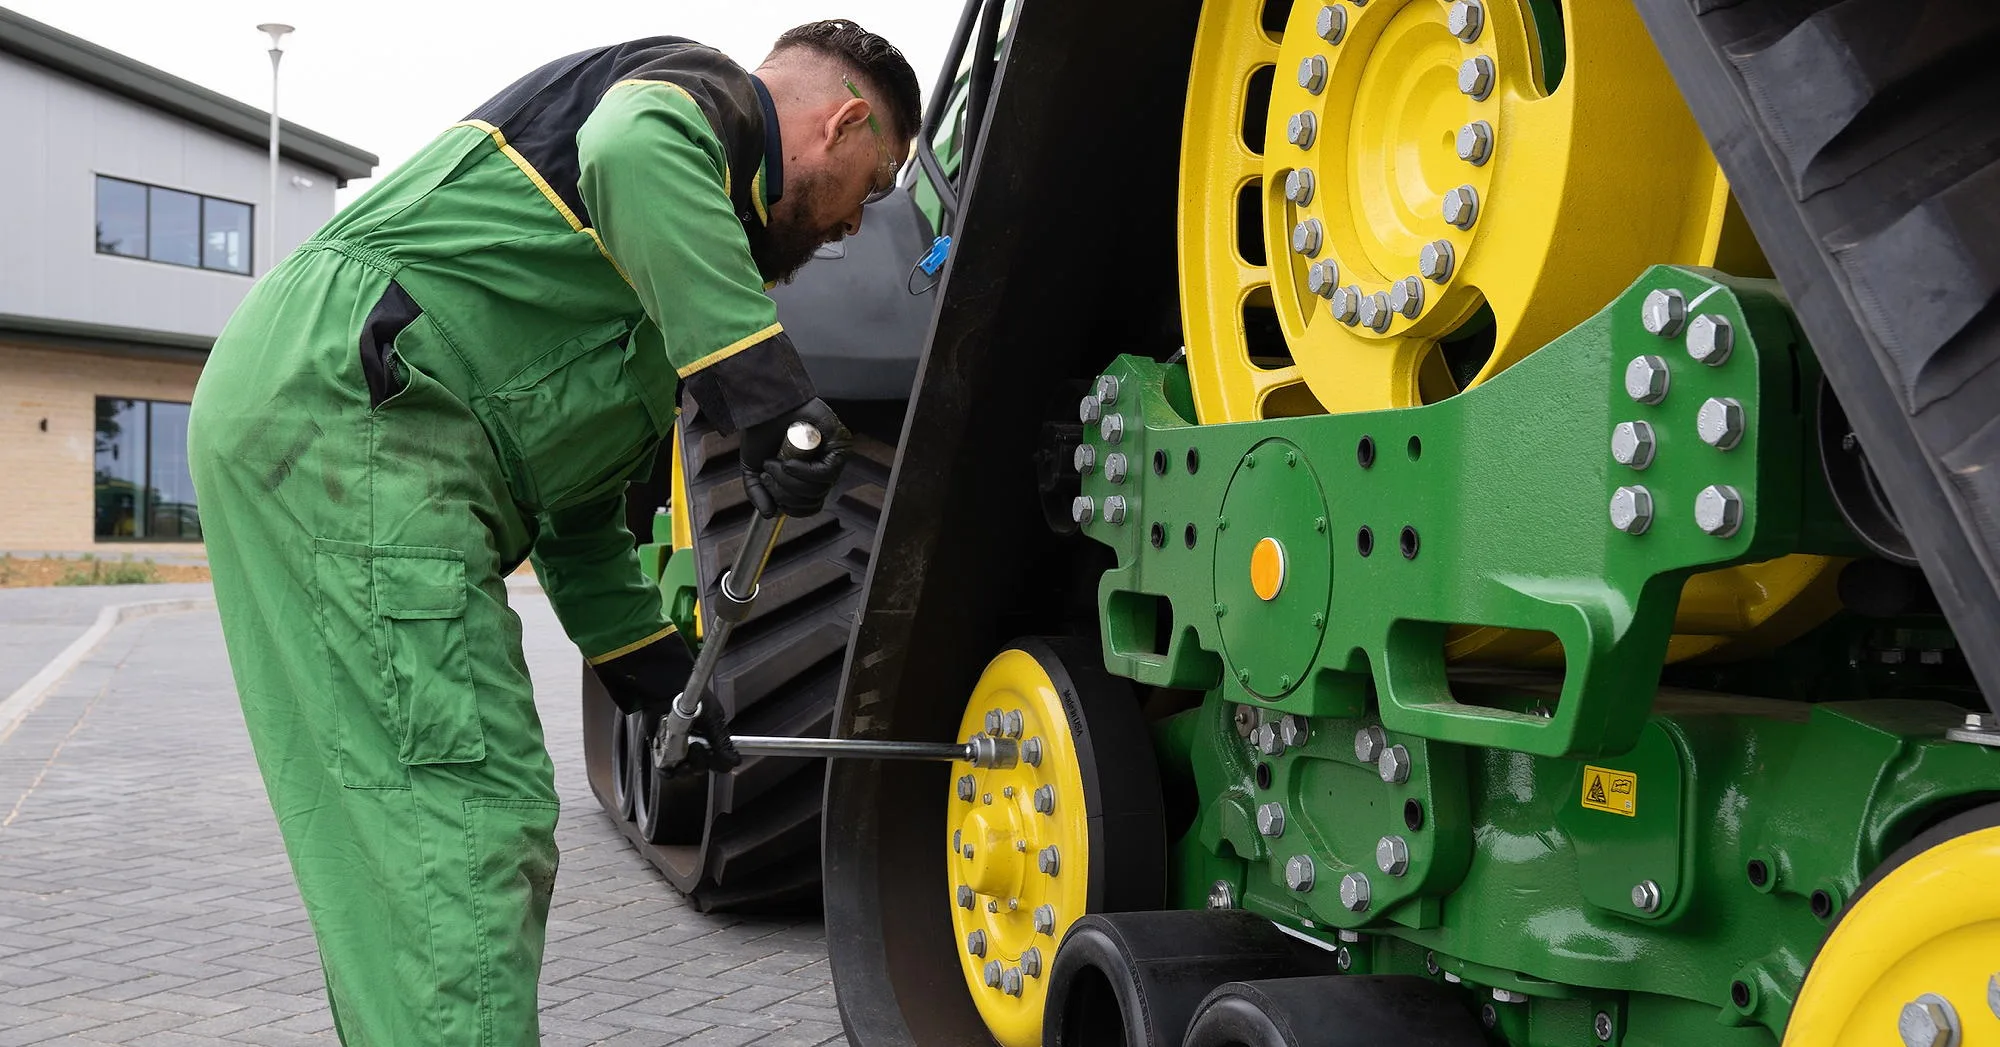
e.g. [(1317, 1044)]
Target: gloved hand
[(645, 681), (709, 745), (795, 486)]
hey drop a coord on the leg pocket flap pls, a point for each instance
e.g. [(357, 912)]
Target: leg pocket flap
[(422, 594)]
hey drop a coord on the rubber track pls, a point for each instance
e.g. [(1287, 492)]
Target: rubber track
[(781, 671), (1862, 138)]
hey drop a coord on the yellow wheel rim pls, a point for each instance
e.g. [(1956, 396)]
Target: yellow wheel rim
[(1443, 211), (1018, 848), (1931, 926)]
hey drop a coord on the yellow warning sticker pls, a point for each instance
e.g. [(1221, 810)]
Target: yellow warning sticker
[(1607, 790)]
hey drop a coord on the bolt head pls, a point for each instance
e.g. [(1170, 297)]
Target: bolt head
[(1112, 428), (1114, 509), (1632, 509), (1465, 19), (1115, 467), (1718, 510), (1271, 820), (1710, 339), (1048, 861), (1928, 1021), (1331, 24), (993, 721), (1475, 77), (1013, 723), (1720, 422), (1993, 995), (975, 943), (1354, 892), (1306, 237), (1322, 277), (1010, 981), (1434, 261), (1646, 379), (1045, 919), (993, 974), (1085, 459), (1045, 799), (1082, 508), (1664, 313), (1345, 304), (1646, 896), (1475, 142), (967, 788), (1294, 729), (1375, 312), (1299, 130), (1394, 766), (965, 898), (1312, 74), (1031, 752), (1299, 872), (1031, 962), (1343, 958), (1406, 296), (1299, 186), (1369, 743), (1221, 895), (1632, 444), (1089, 409), (1461, 206), (1601, 1025), (1392, 855), (1269, 741), (1107, 389)]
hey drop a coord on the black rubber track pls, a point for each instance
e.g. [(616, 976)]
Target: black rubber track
[(1862, 138)]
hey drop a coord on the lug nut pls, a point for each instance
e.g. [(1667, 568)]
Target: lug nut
[(1710, 338), (1346, 304), (1084, 459), (1221, 895), (1406, 296), (1114, 509), (1306, 236), (1299, 130), (1664, 313), (1718, 510), (1465, 19), (1331, 24), (1081, 509), (1322, 277), (1013, 723), (1928, 1021), (1293, 729), (975, 943), (1010, 981), (1394, 766), (1312, 74), (1089, 410), (1112, 428), (1031, 961), (1045, 799), (993, 974), (1045, 919), (1115, 466), (1461, 206), (1048, 861), (1271, 820), (1031, 752), (1354, 892), (1720, 422), (1369, 743), (1646, 896), (1375, 312), (1268, 740), (993, 721), (1475, 143), (1646, 379), (1107, 389), (1632, 509), (1632, 444), (1475, 77), (1299, 186), (1434, 261), (1299, 873), (1392, 855), (965, 898), (966, 786)]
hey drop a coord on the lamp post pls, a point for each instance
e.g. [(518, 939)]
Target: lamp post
[(277, 31)]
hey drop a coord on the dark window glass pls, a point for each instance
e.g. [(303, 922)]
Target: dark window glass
[(143, 486), (175, 227), (121, 217), (121, 466), (225, 235)]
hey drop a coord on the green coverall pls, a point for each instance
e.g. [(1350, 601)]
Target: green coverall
[(461, 370)]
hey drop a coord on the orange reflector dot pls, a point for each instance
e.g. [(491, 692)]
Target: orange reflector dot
[(1267, 568)]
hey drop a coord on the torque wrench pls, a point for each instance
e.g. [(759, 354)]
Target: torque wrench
[(984, 750)]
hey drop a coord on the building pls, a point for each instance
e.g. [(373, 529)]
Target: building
[(134, 226)]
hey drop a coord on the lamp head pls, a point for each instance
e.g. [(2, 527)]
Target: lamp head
[(276, 29)]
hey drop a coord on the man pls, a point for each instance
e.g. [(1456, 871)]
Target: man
[(463, 369)]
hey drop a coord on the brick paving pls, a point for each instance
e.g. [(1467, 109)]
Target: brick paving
[(145, 898)]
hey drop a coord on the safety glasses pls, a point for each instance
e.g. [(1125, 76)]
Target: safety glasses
[(882, 189)]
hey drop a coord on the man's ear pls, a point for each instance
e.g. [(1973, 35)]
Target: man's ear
[(850, 118)]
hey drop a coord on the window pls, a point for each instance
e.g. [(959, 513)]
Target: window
[(143, 487), (168, 225)]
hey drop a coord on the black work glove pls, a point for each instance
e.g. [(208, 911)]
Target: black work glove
[(794, 483), (709, 746), (646, 680)]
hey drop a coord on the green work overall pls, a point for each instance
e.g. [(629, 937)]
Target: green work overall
[(463, 369)]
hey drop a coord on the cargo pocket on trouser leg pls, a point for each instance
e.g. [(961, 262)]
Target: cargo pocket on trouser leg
[(510, 857), (421, 594)]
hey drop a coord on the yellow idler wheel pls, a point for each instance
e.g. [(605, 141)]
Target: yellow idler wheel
[(1915, 959), (1028, 850), (1385, 202)]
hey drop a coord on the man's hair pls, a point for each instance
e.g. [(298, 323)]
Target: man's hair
[(880, 64)]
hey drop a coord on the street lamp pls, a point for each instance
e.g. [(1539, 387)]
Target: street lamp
[(277, 31)]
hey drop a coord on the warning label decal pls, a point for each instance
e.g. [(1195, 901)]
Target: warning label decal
[(1607, 790)]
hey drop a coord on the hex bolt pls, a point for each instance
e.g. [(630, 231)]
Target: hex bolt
[(1375, 312), (1718, 510), (1646, 379), (1299, 873), (1720, 422), (1354, 892), (1632, 509), (1434, 261), (1048, 861), (966, 851), (1082, 508), (1045, 799), (1710, 339), (1045, 919), (1112, 428), (1031, 752), (1475, 77), (1993, 995), (1345, 303), (1271, 819), (1322, 277), (1312, 74), (1928, 1021), (1601, 1025), (1646, 896), (1306, 236), (1475, 143), (1331, 24), (1406, 296), (1394, 765), (993, 974), (1115, 467), (1664, 313), (1013, 724), (1010, 981), (1114, 509), (993, 721), (1221, 895), (965, 898), (1466, 19), (1392, 855), (1089, 409), (1461, 206), (975, 943), (967, 787), (1300, 128), (1085, 459), (1632, 444), (1031, 961), (1269, 741), (1299, 186), (1294, 729), (1107, 389), (1369, 743)]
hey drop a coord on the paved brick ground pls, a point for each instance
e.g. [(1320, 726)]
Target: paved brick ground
[(145, 898)]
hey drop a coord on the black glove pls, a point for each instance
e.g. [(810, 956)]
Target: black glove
[(780, 480), (709, 746), (646, 680)]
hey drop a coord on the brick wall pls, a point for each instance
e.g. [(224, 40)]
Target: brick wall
[(47, 485)]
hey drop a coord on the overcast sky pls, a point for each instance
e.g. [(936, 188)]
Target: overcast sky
[(386, 75)]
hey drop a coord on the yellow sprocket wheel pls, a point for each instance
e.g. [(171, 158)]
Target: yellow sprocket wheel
[(1385, 202)]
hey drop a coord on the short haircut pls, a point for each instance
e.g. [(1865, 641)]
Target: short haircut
[(877, 60)]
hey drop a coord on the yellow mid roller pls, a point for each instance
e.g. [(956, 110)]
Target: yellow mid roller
[(1384, 202)]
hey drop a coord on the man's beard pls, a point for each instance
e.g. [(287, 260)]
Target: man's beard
[(788, 243)]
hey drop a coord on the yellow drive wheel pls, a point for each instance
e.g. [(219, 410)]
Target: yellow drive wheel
[(1386, 202), (1918, 945), (1074, 827)]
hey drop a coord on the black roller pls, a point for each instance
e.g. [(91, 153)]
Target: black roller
[(1335, 1011), (1135, 979)]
